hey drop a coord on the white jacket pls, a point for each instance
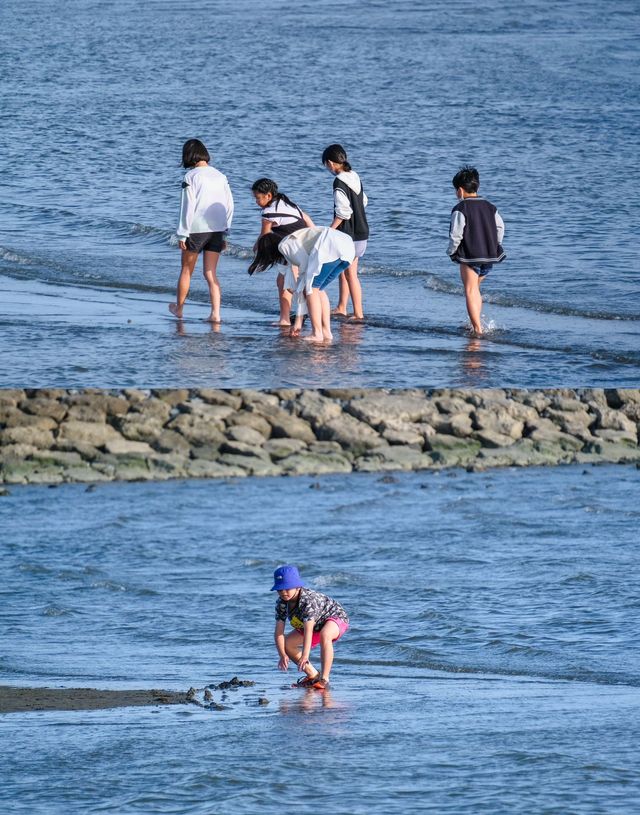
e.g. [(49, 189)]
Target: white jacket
[(311, 248), (206, 204)]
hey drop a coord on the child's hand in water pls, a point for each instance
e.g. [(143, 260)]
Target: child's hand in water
[(283, 664)]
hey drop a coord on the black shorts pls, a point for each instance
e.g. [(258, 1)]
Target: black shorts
[(205, 242)]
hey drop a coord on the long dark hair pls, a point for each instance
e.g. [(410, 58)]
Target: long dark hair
[(337, 154), (267, 253), (193, 151), (267, 186)]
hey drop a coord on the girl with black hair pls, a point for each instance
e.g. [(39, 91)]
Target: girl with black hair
[(349, 202), (321, 254), (281, 217), (206, 212)]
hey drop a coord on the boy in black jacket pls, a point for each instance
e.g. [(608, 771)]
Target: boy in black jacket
[(475, 239)]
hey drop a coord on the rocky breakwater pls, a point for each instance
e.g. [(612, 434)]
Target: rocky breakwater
[(55, 435)]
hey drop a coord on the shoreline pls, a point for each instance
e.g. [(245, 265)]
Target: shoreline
[(57, 435), (27, 700)]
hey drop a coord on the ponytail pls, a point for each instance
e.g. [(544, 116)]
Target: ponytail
[(337, 154)]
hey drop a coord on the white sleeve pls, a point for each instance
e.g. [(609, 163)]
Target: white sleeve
[(187, 207), (499, 227), (229, 207), (456, 231), (365, 200), (341, 206)]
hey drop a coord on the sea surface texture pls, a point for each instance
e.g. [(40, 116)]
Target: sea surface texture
[(491, 666), (98, 98)]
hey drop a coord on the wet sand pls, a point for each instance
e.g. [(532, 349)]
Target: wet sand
[(25, 700)]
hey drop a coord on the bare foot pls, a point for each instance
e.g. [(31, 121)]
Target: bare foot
[(213, 318), (337, 313), (282, 323), (328, 336), (177, 312), (295, 332), (314, 338), (354, 318)]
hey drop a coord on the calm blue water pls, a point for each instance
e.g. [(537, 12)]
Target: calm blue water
[(492, 666), (97, 100)]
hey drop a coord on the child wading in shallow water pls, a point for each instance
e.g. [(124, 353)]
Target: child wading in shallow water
[(475, 239), (349, 202), (320, 254), (206, 212), (281, 217), (316, 620)]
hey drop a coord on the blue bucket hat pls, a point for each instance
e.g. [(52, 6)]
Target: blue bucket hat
[(287, 577)]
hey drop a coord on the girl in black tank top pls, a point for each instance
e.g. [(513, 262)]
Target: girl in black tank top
[(349, 217), (282, 217)]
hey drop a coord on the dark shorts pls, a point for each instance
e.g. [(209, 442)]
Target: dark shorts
[(482, 269), (205, 242)]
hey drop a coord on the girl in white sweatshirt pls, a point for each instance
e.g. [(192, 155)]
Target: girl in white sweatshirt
[(206, 213)]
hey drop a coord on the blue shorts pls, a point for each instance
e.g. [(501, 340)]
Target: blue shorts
[(329, 272), (482, 269)]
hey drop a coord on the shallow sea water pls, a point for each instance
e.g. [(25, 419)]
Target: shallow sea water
[(97, 100), (492, 664)]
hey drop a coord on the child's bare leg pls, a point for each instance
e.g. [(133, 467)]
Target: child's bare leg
[(355, 289), (471, 282), (328, 633), (210, 265), (189, 260), (293, 646), (314, 306), (326, 316), (343, 298), (284, 297)]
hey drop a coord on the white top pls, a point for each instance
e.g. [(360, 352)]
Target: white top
[(311, 248), (280, 213), (206, 204), (341, 205)]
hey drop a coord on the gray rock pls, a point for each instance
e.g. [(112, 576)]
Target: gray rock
[(33, 436), (219, 397), (169, 441), (281, 448), (198, 429), (453, 404), (11, 396), (245, 418), (313, 464), (624, 436), (91, 433), (16, 418), (492, 438), (245, 435), (315, 408), (172, 396), (39, 406), (86, 413), (387, 408), (608, 451), (402, 433), (615, 420), (497, 421), (201, 468), (84, 473), (349, 432), (326, 447), (125, 447), (238, 448), (391, 458), (210, 452), (253, 465), (453, 424), (284, 425), (208, 412), (257, 399), (139, 427), (58, 457)]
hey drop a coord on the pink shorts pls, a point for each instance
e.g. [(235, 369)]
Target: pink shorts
[(342, 626)]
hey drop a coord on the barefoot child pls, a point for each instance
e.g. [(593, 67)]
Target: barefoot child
[(321, 254), (349, 202), (281, 217), (316, 620), (205, 215), (475, 239)]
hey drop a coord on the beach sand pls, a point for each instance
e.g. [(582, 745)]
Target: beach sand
[(25, 700)]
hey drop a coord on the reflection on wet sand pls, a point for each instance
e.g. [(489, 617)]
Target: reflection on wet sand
[(474, 361), (309, 701)]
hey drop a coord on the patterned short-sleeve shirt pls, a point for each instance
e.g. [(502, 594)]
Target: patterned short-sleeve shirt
[(310, 605)]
